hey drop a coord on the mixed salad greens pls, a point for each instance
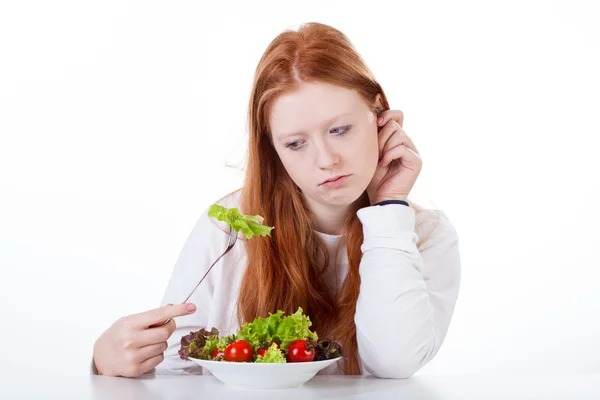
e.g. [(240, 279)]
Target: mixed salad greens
[(275, 339)]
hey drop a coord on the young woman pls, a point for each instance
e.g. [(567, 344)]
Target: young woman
[(330, 167)]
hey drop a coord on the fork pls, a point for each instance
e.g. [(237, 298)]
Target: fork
[(232, 239)]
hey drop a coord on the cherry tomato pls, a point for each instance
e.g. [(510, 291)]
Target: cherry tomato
[(238, 351), (301, 351), (264, 347), (216, 352)]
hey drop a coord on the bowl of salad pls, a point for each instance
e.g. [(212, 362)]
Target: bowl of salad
[(276, 352)]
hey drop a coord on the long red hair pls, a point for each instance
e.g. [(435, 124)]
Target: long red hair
[(285, 271)]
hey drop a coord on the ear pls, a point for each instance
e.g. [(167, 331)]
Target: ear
[(378, 107)]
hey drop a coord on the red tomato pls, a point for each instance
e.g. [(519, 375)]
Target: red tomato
[(262, 350), (216, 352), (301, 351), (238, 351)]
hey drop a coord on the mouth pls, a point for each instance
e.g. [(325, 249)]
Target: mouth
[(334, 179)]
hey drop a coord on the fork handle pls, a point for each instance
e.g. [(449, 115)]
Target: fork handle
[(192, 292)]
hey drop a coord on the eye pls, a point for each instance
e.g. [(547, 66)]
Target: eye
[(339, 131), (295, 145), (344, 130)]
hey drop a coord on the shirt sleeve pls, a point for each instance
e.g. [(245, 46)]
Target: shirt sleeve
[(407, 294)]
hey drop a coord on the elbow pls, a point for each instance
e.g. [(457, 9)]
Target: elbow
[(395, 367), (401, 362)]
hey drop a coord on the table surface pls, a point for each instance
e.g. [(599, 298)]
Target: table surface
[(434, 387)]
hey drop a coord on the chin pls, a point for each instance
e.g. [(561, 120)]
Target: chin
[(343, 199)]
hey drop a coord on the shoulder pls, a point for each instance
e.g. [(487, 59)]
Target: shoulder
[(231, 200)]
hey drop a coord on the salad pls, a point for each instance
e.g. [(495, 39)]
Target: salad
[(275, 339)]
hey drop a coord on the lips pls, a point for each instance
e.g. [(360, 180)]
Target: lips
[(335, 178)]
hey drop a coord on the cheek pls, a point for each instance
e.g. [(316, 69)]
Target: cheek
[(366, 149), (293, 166)]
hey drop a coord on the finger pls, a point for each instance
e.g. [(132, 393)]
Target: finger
[(409, 157), (394, 154), (388, 115), (162, 322), (152, 362), (152, 350), (399, 137), (161, 314), (384, 136), (156, 335)]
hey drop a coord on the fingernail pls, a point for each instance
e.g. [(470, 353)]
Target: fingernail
[(380, 120), (190, 307)]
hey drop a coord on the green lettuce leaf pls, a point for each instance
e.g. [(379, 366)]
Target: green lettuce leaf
[(223, 342), (277, 328), (272, 355), (249, 225), (211, 344), (294, 327), (260, 330)]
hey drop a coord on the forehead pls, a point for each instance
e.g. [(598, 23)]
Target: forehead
[(311, 106)]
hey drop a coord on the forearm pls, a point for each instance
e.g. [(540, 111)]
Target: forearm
[(402, 314)]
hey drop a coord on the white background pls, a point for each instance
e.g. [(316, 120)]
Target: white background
[(117, 120)]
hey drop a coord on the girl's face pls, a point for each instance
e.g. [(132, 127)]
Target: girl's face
[(323, 132)]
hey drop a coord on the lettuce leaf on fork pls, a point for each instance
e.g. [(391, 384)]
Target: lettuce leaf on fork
[(249, 225)]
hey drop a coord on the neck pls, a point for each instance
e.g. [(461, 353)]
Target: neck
[(328, 219)]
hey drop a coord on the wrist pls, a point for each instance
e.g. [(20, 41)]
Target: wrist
[(386, 202), (380, 199)]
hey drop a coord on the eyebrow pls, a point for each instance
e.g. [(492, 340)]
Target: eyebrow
[(328, 122)]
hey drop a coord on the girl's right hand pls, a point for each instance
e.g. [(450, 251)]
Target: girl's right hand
[(135, 344)]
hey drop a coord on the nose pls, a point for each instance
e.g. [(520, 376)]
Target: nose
[(326, 156)]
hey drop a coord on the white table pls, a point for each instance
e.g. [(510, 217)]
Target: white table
[(568, 386)]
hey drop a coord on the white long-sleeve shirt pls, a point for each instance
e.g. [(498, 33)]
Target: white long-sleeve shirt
[(407, 294)]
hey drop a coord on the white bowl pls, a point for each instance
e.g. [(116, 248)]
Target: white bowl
[(264, 375)]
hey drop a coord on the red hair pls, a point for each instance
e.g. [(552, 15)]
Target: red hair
[(285, 271)]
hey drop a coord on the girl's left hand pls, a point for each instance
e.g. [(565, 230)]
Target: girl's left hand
[(399, 160)]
